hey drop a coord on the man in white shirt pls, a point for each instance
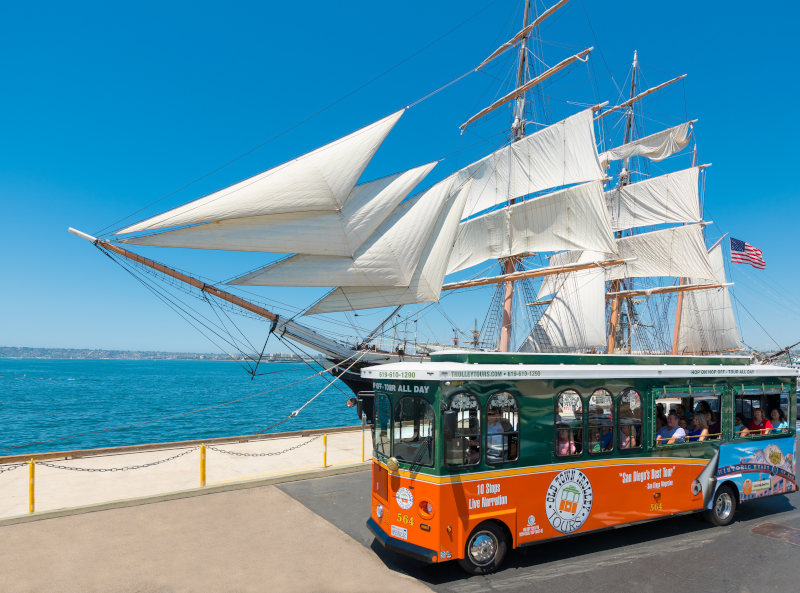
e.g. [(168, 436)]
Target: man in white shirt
[(672, 433)]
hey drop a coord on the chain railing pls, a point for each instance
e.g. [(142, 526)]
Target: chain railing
[(268, 454), (11, 466), (202, 449), (115, 469)]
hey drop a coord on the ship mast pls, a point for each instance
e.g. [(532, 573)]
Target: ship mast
[(624, 179), (518, 128)]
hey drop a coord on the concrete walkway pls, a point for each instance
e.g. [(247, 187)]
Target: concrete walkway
[(256, 539)]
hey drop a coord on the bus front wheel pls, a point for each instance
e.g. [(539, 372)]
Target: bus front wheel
[(485, 550), (723, 507)]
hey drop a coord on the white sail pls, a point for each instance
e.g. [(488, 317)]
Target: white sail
[(668, 198), (320, 180), (388, 258), (575, 319), (679, 251), (573, 218), (656, 147), (426, 283), (561, 154), (338, 232), (707, 320)]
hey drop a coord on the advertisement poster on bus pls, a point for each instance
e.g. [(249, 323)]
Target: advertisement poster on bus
[(759, 468)]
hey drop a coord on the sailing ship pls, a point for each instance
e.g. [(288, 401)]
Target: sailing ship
[(617, 240)]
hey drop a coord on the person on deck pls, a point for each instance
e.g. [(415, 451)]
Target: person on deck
[(671, 433), (759, 424)]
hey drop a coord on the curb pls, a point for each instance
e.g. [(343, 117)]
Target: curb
[(131, 502)]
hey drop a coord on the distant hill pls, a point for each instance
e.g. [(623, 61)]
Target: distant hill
[(85, 353)]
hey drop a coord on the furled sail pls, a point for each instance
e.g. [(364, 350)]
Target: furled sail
[(338, 232), (426, 283), (668, 198), (561, 154), (707, 320), (656, 147), (320, 180), (575, 319), (573, 218), (388, 258)]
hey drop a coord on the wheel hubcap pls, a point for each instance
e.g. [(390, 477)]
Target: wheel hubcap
[(482, 548), (723, 506)]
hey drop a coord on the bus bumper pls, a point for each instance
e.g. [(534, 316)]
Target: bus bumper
[(396, 545)]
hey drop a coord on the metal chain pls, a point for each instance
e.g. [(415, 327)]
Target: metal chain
[(116, 469), (239, 454), (11, 466)]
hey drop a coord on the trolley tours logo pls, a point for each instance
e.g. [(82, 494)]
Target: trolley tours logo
[(569, 500)]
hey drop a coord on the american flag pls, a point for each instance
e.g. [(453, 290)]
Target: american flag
[(744, 253)]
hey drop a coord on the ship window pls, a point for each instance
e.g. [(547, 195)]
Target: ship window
[(600, 422), (383, 418), (412, 433), (502, 428), (569, 423), (462, 430), (629, 415)]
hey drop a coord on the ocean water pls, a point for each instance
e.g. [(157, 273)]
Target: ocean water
[(60, 400)]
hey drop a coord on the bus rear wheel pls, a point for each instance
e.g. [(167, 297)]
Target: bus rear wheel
[(485, 550), (723, 507)]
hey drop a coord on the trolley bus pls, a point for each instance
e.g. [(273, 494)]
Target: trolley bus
[(475, 454)]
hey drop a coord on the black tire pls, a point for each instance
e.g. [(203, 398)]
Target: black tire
[(723, 507), (485, 549)]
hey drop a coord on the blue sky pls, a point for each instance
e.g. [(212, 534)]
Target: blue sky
[(109, 107)]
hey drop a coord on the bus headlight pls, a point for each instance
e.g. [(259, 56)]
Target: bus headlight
[(379, 511)]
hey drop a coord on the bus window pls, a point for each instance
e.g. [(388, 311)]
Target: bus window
[(600, 418), (762, 410), (412, 432), (502, 428), (463, 447), (569, 423), (383, 412), (629, 414), (707, 406)]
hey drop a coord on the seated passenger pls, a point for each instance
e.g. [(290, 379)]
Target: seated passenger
[(759, 425), (495, 442), (671, 433), (779, 423), (739, 429), (661, 421), (627, 438), (700, 430), (683, 423), (564, 444), (605, 440)]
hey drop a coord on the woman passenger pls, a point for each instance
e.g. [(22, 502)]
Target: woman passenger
[(759, 424), (778, 419), (565, 445), (627, 439), (700, 432)]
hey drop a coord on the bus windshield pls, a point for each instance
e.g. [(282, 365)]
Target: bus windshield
[(412, 431)]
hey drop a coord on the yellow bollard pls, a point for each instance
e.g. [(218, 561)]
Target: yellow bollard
[(324, 450), (202, 466), (31, 472)]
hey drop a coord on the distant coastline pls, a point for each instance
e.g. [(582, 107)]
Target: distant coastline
[(101, 354)]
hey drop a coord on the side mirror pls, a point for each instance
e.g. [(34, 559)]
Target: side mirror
[(449, 419)]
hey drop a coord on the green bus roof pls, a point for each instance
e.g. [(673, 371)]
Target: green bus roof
[(605, 359)]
